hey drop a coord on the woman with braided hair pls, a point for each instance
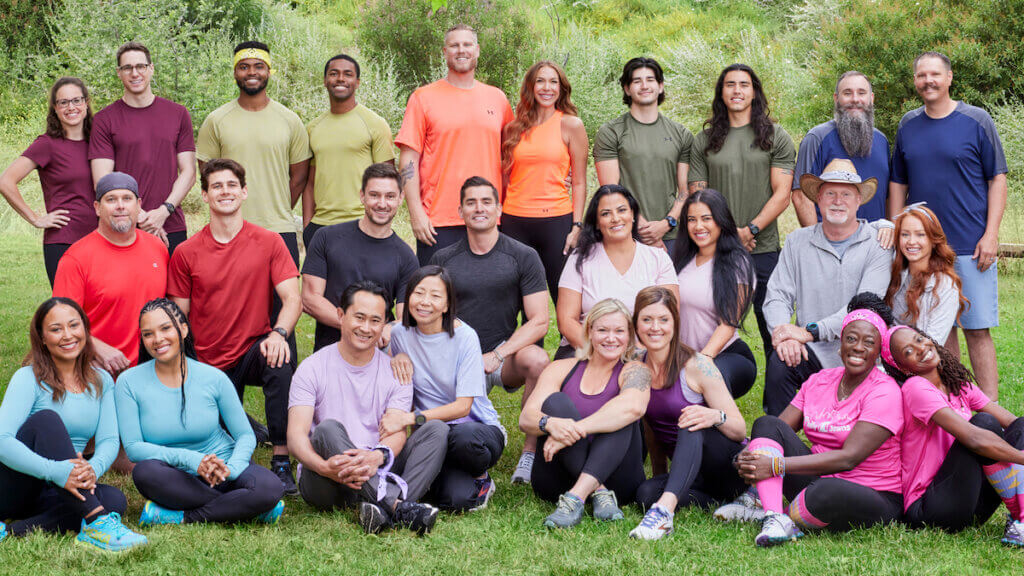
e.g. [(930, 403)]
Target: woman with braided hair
[(169, 409), (956, 467)]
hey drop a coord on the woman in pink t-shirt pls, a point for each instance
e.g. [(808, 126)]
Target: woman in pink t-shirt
[(850, 476), (956, 467)]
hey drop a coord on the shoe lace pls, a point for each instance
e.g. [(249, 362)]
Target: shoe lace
[(526, 460), (565, 505), (654, 516), (605, 498), (773, 522), (111, 523)]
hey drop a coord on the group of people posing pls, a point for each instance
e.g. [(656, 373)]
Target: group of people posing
[(651, 280)]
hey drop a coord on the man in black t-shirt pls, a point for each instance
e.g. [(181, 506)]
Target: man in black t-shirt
[(495, 279), (364, 249)]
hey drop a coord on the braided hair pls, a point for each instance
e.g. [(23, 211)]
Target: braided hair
[(952, 373), (187, 344), (871, 301)]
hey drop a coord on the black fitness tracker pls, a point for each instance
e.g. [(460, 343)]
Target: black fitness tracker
[(813, 329), (420, 418), (281, 331), (754, 229), (672, 222), (170, 207), (543, 425)]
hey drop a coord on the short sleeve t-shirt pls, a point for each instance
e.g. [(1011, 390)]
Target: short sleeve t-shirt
[(822, 145), (343, 254), (355, 396), (266, 143), (445, 368), (66, 180), (925, 443), (827, 423), (698, 317), (230, 287), (947, 162), (741, 171), (458, 135), (112, 283), (599, 279), (489, 288), (649, 156), (145, 143), (343, 146)]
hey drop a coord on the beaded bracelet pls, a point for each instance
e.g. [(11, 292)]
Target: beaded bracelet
[(778, 466)]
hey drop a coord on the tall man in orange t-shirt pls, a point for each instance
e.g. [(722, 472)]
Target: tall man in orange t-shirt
[(451, 131)]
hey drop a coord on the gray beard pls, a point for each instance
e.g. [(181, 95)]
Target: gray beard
[(856, 132)]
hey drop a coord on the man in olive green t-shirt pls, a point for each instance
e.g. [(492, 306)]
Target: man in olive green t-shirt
[(750, 160), (646, 152), (345, 141)]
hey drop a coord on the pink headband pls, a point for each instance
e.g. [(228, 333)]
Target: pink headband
[(869, 317), (886, 350)]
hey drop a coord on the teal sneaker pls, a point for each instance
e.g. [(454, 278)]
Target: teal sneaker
[(153, 514), (273, 515), (108, 534), (3, 531)]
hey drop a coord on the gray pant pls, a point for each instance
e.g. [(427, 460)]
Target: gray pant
[(418, 464)]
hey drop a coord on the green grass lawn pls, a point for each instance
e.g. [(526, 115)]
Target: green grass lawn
[(507, 538)]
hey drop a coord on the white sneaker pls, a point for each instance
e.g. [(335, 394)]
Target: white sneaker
[(746, 508), (524, 469), (1013, 533), (657, 524), (777, 529)]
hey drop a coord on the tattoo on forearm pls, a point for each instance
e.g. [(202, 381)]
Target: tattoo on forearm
[(408, 171), (697, 186), (787, 171), (637, 377)]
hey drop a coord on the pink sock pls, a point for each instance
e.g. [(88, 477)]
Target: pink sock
[(1008, 480), (770, 489)]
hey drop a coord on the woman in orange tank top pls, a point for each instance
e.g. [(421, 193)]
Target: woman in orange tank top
[(541, 147)]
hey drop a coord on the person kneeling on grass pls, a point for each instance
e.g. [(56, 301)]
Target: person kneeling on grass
[(338, 400), (850, 476), (51, 409), (169, 409), (586, 415), (691, 419), (956, 467)]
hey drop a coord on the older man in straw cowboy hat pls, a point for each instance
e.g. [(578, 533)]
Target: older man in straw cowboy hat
[(821, 267)]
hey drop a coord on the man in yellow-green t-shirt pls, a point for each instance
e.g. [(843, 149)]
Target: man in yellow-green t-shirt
[(345, 140)]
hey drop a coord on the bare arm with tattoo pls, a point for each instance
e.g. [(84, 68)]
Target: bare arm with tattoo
[(697, 186), (626, 408), (703, 377), (409, 173)]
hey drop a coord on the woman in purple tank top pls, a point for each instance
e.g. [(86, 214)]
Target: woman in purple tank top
[(585, 412), (691, 419)]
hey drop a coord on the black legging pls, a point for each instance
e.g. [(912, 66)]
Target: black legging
[(960, 495), (38, 504), (615, 459), (473, 449), (52, 253), (255, 491), (701, 472), (547, 237), (738, 367), (781, 383), (832, 504)]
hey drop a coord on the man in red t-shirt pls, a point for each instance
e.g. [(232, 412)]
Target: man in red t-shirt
[(224, 277), (113, 271)]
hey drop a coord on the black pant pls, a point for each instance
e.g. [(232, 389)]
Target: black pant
[(52, 254), (701, 473), (960, 495), (291, 241), (473, 449), (446, 236), (547, 237), (39, 505), (781, 382), (614, 458), (764, 265), (253, 370), (308, 233), (255, 491), (835, 504), (174, 239), (738, 367)]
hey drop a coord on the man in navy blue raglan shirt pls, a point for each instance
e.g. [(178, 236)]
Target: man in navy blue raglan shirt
[(948, 154)]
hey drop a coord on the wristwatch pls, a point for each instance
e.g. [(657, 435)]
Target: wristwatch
[(578, 225), (813, 329), (386, 453), (420, 419), (754, 229), (672, 222), (281, 331), (720, 422), (543, 425), (170, 207)]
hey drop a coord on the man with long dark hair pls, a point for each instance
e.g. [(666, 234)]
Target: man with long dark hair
[(749, 158)]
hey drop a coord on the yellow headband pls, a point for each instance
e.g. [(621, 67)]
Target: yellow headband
[(256, 53)]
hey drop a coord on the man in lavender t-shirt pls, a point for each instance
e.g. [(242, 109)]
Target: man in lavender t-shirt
[(337, 399), (149, 138)]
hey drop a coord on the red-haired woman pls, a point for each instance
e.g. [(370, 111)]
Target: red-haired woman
[(541, 147), (924, 290)]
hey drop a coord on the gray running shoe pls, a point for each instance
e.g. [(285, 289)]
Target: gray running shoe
[(746, 508), (1013, 534), (524, 469), (777, 529), (567, 514), (606, 506)]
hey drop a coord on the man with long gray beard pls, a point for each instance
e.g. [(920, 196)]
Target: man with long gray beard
[(851, 134)]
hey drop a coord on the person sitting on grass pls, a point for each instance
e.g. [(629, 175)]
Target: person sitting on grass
[(585, 412), (52, 408), (852, 415), (956, 467), (441, 356), (338, 398), (170, 407), (691, 419)]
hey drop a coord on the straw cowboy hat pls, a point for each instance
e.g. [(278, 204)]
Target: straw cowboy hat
[(839, 171)]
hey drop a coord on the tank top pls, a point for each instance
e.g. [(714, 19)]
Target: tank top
[(664, 408), (587, 404), (540, 165)]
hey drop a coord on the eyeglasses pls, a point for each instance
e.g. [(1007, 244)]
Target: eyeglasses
[(127, 68), (70, 102)]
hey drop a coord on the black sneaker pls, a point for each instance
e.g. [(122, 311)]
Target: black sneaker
[(283, 469), (415, 516), (373, 517), (260, 430)]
